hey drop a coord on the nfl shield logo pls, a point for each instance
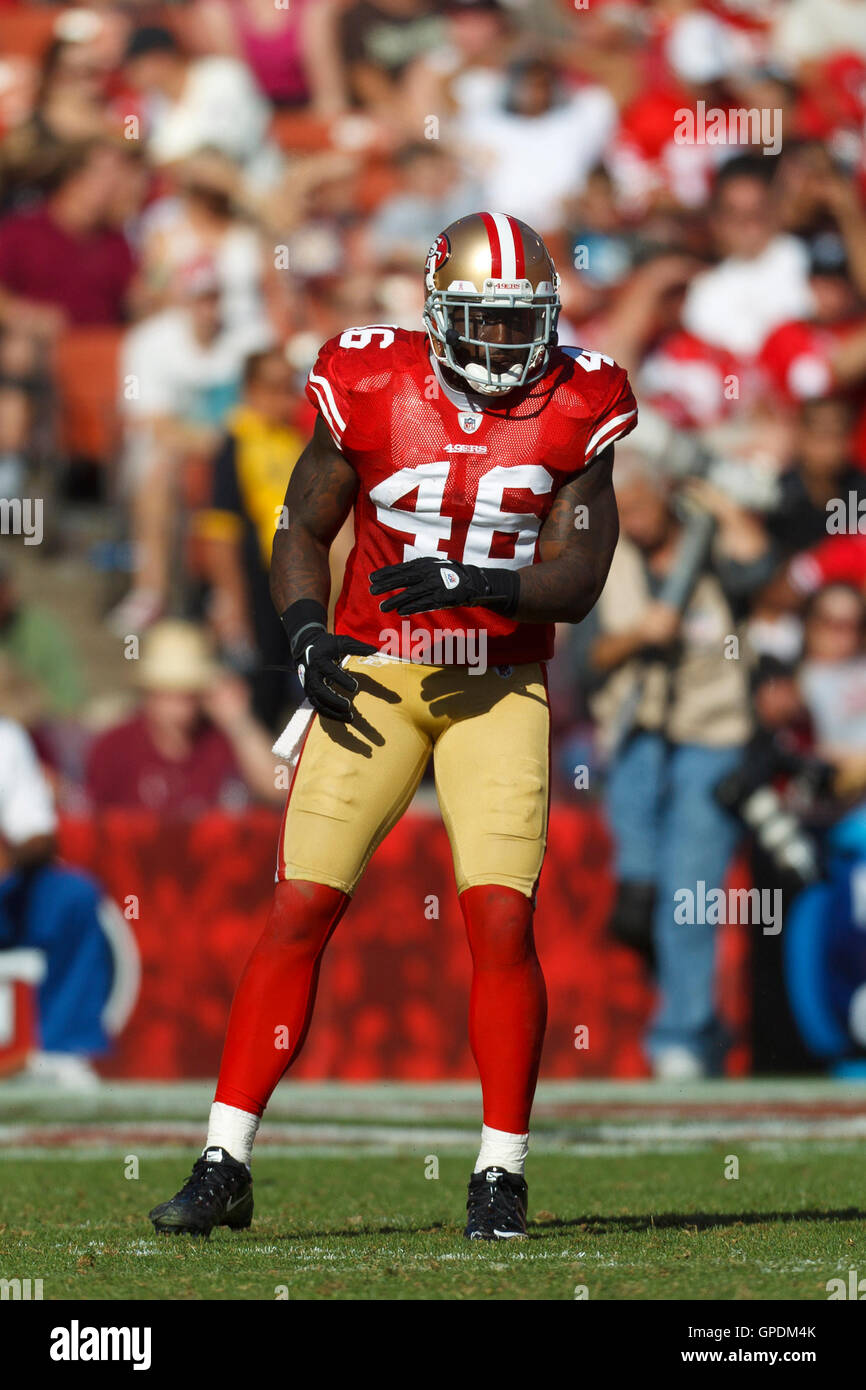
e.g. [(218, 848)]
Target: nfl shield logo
[(468, 421)]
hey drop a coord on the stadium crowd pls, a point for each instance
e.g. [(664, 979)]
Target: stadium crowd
[(193, 196)]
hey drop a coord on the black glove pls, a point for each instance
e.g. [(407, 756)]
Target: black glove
[(319, 655), (428, 584)]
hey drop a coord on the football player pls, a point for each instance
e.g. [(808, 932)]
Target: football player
[(476, 458)]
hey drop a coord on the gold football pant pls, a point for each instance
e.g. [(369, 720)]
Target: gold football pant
[(488, 735)]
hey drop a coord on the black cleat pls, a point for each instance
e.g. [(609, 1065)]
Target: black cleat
[(496, 1206), (218, 1192)]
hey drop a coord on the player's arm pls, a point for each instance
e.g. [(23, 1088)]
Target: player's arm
[(319, 498), (576, 547)]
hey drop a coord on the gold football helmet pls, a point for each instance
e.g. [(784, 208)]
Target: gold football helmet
[(492, 301)]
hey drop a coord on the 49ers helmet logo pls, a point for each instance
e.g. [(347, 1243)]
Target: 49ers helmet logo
[(438, 253)]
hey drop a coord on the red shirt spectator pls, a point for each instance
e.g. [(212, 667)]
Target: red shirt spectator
[(86, 276), (194, 744), (126, 769), (66, 252)]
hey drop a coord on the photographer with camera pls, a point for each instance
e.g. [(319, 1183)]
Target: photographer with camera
[(672, 704)]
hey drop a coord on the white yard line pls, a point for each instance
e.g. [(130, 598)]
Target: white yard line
[(411, 1101), (276, 1139)]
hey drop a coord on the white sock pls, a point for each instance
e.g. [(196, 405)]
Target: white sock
[(499, 1149), (233, 1130)]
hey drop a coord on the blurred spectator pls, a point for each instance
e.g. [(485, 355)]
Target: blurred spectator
[(826, 352), (808, 29), (467, 70), (762, 278), (21, 389), (627, 298), (833, 673), (91, 967), (70, 107), (603, 246), (250, 476), (65, 261), (693, 384), (40, 671), (690, 725), (537, 145), (822, 472), (196, 104), (272, 40), (783, 795), (200, 221), (839, 559), (194, 743), (317, 214), (377, 40), (432, 195), (823, 945), (181, 373), (780, 711)]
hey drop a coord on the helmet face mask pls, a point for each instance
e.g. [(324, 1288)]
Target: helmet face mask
[(494, 332), (489, 362)]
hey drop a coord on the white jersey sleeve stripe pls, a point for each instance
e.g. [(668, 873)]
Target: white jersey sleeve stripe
[(612, 428), (337, 437), (326, 387)]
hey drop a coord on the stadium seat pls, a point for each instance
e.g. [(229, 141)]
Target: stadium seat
[(27, 32), (299, 131), (87, 384), (378, 181)]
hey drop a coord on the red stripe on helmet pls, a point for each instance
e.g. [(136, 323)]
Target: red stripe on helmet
[(519, 258), (495, 246)]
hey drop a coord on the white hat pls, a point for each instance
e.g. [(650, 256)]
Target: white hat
[(177, 656)]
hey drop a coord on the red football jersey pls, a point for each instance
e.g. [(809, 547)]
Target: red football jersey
[(440, 477)]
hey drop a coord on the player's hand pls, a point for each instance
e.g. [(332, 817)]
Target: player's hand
[(322, 675), (427, 584)]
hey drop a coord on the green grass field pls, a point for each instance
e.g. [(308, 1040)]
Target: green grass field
[(628, 1195)]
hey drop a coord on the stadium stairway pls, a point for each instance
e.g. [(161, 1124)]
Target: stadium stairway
[(64, 581)]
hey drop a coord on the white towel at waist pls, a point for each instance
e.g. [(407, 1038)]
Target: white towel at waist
[(291, 740)]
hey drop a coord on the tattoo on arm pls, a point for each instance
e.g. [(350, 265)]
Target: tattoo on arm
[(320, 495), (576, 547)]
